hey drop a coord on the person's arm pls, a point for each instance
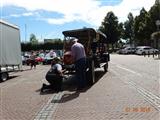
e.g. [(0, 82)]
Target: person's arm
[(59, 69)]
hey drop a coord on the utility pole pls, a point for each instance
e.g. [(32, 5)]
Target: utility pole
[(25, 33)]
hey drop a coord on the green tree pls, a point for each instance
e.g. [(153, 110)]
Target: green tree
[(145, 24), (156, 39), (121, 29), (129, 29), (58, 43), (122, 32), (33, 39), (140, 27), (109, 27), (154, 13)]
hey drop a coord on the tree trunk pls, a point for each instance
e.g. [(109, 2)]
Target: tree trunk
[(112, 47)]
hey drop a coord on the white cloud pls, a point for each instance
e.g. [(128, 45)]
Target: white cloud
[(89, 11), (132, 6), (23, 14)]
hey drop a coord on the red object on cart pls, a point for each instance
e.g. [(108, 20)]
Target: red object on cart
[(67, 58)]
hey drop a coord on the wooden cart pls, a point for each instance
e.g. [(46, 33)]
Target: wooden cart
[(95, 44)]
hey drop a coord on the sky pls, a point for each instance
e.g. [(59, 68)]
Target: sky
[(47, 19)]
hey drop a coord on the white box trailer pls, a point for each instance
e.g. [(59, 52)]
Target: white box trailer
[(10, 49)]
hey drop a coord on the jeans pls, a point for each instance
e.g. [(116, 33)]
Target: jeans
[(55, 82), (80, 66)]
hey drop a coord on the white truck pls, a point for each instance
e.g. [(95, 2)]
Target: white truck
[(10, 49)]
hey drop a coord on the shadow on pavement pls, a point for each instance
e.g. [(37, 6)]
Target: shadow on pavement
[(156, 58), (10, 78), (99, 74), (69, 84), (75, 94), (49, 91), (68, 97), (13, 76), (28, 69)]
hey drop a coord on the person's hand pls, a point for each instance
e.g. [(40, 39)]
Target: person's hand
[(63, 70)]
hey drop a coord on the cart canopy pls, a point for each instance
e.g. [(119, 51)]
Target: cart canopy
[(86, 34)]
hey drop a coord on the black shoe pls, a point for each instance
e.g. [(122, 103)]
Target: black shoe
[(58, 90), (43, 87), (81, 89)]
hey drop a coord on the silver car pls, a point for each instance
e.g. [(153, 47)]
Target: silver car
[(141, 50)]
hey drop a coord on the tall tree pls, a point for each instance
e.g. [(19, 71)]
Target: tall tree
[(157, 2), (110, 28), (155, 17), (33, 39), (129, 29), (121, 32), (154, 13), (145, 24), (140, 27), (121, 29)]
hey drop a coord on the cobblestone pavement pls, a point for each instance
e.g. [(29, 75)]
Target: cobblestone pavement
[(144, 71), (109, 99), (20, 98), (117, 95)]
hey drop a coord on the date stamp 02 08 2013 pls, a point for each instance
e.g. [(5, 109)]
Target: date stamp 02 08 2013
[(138, 109)]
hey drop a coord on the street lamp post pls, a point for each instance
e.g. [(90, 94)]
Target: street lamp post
[(25, 33)]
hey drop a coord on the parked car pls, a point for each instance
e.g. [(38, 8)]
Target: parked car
[(59, 53), (141, 50), (127, 50), (119, 51), (47, 59), (26, 60), (39, 60)]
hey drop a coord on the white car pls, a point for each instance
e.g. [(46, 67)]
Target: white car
[(128, 50), (146, 50)]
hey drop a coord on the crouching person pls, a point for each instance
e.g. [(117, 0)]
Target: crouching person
[(54, 76)]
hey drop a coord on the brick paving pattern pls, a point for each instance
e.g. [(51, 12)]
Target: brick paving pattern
[(108, 99), (47, 111), (112, 97), (20, 96)]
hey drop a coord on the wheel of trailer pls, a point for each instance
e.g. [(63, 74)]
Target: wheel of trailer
[(106, 67), (4, 76), (91, 73)]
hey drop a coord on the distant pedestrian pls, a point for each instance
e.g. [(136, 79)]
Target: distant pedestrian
[(79, 58), (52, 54), (33, 60)]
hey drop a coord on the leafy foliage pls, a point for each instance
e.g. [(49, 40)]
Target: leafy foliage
[(33, 39), (136, 30), (57, 45), (129, 28), (110, 28)]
